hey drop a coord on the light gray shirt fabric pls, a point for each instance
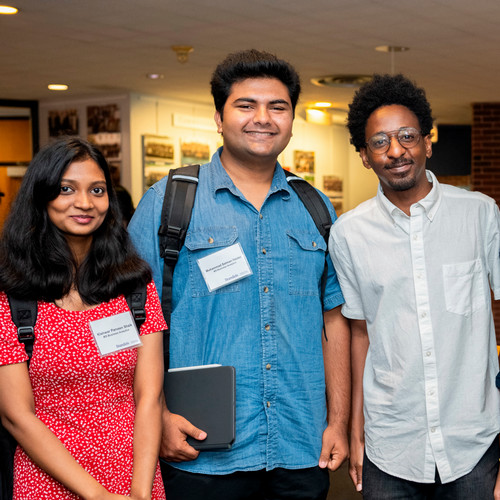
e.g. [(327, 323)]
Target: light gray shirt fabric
[(422, 283)]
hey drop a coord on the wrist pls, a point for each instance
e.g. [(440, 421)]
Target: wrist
[(139, 495)]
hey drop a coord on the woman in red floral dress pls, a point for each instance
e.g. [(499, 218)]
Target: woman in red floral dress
[(87, 413)]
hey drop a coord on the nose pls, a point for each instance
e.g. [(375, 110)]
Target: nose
[(262, 115), (83, 200), (395, 149)]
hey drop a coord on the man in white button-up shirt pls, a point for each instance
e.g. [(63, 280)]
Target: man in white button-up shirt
[(416, 264)]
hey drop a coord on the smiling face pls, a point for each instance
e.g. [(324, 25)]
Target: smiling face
[(82, 204), (400, 170), (257, 120)]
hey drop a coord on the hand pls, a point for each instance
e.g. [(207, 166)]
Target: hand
[(356, 464), (334, 449), (106, 495), (496, 493), (174, 446)]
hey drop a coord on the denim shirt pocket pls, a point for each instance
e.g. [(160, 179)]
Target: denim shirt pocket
[(463, 287), (203, 242), (306, 262)]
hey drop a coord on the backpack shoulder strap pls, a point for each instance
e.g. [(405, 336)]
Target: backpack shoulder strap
[(24, 314), (175, 217), (313, 202), (136, 301)]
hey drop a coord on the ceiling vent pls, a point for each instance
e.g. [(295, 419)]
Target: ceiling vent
[(341, 80)]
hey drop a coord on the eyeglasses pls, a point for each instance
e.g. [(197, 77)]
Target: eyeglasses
[(380, 143)]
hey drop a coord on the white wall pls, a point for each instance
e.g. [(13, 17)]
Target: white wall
[(141, 114), (362, 183), (152, 115)]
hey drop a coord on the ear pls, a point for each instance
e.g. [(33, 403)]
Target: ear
[(428, 145), (218, 122), (364, 158)]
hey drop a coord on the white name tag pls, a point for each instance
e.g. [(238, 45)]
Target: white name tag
[(224, 267), (115, 333)]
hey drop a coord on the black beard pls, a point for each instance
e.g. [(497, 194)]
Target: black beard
[(404, 184)]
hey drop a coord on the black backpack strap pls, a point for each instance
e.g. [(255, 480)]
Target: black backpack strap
[(24, 314), (313, 202), (136, 301), (175, 217)]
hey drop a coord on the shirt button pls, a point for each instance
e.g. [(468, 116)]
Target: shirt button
[(428, 353), (267, 327), (264, 251), (261, 216), (433, 429), (268, 366), (431, 393), (210, 240), (314, 244), (415, 237), (423, 315), (266, 289), (269, 404), (419, 276)]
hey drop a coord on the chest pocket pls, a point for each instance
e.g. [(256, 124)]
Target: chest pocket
[(203, 242), (306, 262), (463, 287)]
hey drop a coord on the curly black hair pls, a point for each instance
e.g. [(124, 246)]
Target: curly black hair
[(252, 63), (384, 90)]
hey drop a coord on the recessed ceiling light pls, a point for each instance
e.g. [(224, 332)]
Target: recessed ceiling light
[(155, 76), (57, 86), (322, 105), (7, 9), (341, 80), (391, 48)]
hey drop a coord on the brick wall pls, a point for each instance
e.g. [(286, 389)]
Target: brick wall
[(485, 174)]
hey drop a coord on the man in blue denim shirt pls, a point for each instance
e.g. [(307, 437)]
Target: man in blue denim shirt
[(268, 324)]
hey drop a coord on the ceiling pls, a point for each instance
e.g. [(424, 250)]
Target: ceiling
[(103, 47)]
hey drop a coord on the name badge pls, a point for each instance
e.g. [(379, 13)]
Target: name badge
[(115, 333), (224, 267)]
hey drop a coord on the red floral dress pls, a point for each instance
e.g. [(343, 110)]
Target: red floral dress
[(85, 399)]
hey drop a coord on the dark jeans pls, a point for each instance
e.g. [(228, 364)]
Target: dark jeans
[(276, 484), (476, 485)]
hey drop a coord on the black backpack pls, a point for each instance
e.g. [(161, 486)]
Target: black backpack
[(178, 204), (24, 313)]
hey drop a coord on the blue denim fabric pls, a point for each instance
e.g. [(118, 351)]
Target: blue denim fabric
[(268, 325)]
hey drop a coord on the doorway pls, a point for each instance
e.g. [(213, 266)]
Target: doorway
[(18, 141)]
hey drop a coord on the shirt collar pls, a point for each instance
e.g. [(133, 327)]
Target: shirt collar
[(430, 203), (219, 179)]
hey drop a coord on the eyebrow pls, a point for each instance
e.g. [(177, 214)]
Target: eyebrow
[(252, 100), (67, 179)]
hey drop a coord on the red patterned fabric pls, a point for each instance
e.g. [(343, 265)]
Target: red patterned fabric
[(85, 399)]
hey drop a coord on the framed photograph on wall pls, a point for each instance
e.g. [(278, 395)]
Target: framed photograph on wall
[(63, 122), (194, 152), (104, 130), (333, 187), (157, 158), (303, 162)]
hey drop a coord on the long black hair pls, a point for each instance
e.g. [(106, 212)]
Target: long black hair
[(36, 262)]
